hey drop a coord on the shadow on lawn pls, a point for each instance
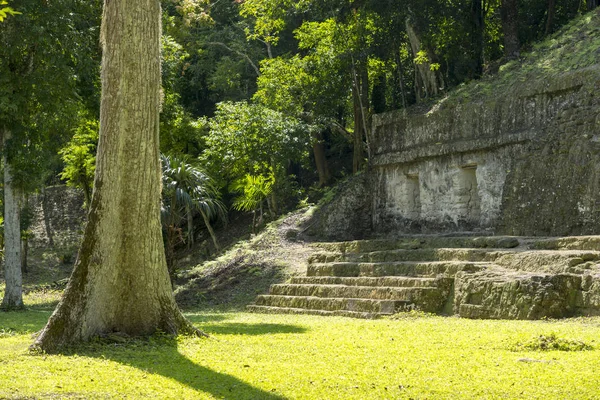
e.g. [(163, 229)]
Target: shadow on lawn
[(161, 356)]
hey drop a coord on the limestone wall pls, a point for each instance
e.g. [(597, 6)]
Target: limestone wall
[(525, 161), (58, 217)]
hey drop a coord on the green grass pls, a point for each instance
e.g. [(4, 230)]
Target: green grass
[(304, 357)]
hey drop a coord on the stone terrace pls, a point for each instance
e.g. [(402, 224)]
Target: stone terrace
[(474, 277)]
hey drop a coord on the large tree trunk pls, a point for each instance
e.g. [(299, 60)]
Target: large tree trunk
[(509, 13), (428, 81), (13, 294), (120, 282)]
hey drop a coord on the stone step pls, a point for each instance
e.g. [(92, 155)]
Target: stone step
[(441, 254), (566, 243), (288, 310), (335, 304), (419, 242), (549, 261), (363, 292), (431, 299), (403, 268), (389, 281)]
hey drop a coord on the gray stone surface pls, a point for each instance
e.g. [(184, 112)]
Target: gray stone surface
[(347, 216), (520, 162)]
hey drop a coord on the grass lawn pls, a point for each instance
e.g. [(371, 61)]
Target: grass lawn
[(304, 357)]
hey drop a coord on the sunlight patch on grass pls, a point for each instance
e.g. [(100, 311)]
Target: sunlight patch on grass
[(305, 357)]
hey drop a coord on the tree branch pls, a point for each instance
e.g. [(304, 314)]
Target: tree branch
[(244, 55)]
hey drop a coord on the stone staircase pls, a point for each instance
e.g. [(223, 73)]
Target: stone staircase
[(485, 277)]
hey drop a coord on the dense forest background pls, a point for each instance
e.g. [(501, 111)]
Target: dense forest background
[(265, 102)]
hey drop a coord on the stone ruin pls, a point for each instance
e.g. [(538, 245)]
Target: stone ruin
[(485, 208)]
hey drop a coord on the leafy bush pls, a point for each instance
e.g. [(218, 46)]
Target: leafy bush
[(551, 342)]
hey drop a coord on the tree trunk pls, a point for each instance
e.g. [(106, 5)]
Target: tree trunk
[(25, 238), (550, 17), (13, 294), (360, 96), (428, 81), (509, 13), (87, 192), (591, 4), (45, 211), (190, 225), (320, 159), (120, 282), (400, 78), (210, 230), (477, 38), (24, 254)]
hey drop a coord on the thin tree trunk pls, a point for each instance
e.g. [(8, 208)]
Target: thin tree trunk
[(477, 39), (509, 14), (320, 159), (550, 17), (429, 78), (360, 87), (87, 192), (210, 230), (400, 72), (190, 225), (13, 294), (120, 282), (45, 211), (24, 254)]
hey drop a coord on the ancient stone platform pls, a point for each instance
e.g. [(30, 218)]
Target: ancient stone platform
[(474, 277)]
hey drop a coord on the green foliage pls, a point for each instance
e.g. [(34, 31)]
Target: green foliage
[(79, 156), (6, 11), (187, 186), (254, 190), (550, 342), (247, 138)]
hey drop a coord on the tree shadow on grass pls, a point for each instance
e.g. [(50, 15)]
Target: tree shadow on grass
[(160, 356)]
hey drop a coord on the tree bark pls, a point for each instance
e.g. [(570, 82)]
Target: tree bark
[(120, 282), (509, 14), (13, 294)]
